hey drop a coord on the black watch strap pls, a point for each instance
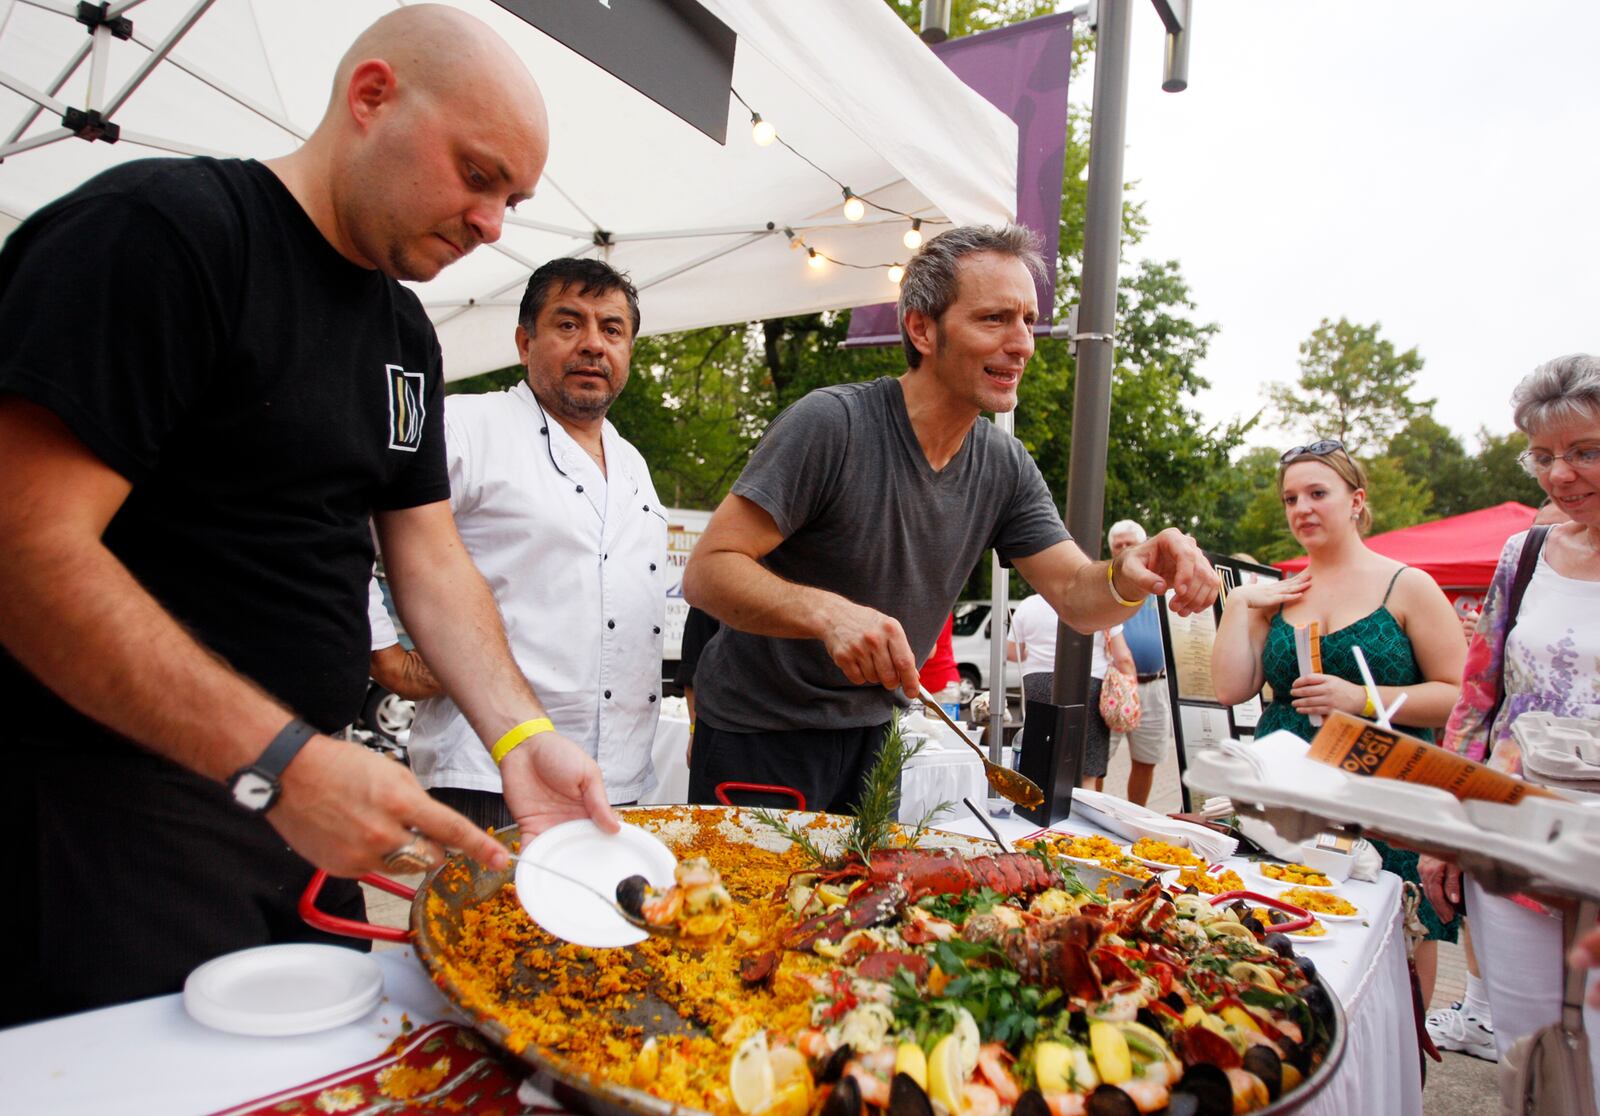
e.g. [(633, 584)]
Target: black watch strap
[(284, 747)]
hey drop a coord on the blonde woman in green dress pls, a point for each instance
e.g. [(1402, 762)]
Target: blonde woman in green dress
[(1398, 616)]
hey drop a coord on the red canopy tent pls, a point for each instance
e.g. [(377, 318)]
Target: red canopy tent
[(1460, 552)]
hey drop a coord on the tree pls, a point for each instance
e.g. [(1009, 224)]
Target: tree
[(1501, 476), (1353, 386), (1430, 453)]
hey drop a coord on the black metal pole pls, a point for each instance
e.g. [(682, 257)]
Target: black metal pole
[(1096, 321)]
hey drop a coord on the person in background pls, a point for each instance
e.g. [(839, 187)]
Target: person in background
[(1544, 660), (698, 628), (1398, 616), (1153, 739), (396, 668), (1033, 644), (211, 383), (558, 512), (1467, 1025), (940, 671), (849, 535)]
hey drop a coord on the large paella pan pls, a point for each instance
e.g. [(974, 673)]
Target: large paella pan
[(996, 985)]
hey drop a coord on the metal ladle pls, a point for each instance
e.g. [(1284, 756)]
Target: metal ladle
[(1008, 784)]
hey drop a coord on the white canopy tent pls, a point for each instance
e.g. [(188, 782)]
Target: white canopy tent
[(699, 226)]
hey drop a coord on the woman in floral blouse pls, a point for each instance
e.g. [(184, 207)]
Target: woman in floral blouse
[(1548, 661)]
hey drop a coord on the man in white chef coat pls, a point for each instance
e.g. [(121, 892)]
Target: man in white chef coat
[(559, 514)]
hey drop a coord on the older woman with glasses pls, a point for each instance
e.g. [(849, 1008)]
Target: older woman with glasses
[(1541, 659), (1399, 617)]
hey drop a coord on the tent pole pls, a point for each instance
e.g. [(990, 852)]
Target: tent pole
[(1096, 321), (154, 58), (999, 630), (55, 88)]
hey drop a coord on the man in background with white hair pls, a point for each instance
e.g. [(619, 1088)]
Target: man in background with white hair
[(1153, 739)]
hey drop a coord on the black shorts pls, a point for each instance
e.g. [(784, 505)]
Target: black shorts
[(127, 871), (828, 766)]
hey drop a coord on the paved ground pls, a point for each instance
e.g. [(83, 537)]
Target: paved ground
[(1460, 1086)]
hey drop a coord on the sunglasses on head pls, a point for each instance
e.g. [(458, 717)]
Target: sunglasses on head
[(1315, 449)]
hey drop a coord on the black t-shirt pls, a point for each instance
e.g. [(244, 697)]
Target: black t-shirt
[(263, 395)]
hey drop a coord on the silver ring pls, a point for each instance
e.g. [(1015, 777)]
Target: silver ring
[(413, 856)]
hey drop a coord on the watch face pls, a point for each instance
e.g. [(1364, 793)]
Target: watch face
[(253, 790)]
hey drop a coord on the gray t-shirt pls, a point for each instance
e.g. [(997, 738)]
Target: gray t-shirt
[(864, 515)]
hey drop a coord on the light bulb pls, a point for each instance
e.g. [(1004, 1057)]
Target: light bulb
[(816, 261), (913, 237), (896, 273), (854, 207), (761, 130)]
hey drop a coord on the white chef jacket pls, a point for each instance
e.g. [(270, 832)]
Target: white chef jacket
[(577, 561)]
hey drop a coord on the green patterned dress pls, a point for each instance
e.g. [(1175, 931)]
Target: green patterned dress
[(1388, 652)]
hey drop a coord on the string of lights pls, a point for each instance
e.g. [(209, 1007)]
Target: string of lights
[(854, 207)]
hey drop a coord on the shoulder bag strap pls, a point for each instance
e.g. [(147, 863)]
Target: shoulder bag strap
[(1526, 561)]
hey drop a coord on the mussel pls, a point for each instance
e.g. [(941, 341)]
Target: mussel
[(844, 1100), (1031, 1103), (833, 1068), (1308, 967), (1263, 1061), (1209, 1090), (1183, 1104), (906, 1097), (631, 894), (1316, 998), (1108, 1100), (1281, 944), (1295, 1054)]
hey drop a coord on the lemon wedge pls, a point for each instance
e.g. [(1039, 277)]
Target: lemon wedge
[(750, 1076), (945, 1076), (911, 1061)]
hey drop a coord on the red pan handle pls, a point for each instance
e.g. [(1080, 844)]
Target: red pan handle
[(349, 927), (1302, 919), (761, 788)]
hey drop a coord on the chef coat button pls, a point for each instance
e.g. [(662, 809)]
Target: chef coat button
[(544, 430), (611, 623), (652, 697), (652, 567), (608, 695), (647, 507), (580, 488), (656, 630)]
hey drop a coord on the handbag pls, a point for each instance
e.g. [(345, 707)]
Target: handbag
[(1119, 701)]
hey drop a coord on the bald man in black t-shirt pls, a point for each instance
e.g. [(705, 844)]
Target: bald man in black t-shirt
[(210, 379)]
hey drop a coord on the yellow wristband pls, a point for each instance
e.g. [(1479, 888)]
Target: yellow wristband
[(504, 746), (1369, 710), (1111, 580)]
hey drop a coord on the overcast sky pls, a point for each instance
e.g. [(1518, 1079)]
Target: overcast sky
[(1431, 166)]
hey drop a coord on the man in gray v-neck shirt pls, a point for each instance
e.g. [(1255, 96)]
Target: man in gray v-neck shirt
[(847, 538)]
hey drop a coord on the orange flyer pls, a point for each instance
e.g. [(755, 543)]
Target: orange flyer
[(1363, 748)]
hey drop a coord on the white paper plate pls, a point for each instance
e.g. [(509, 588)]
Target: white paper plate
[(290, 989), (583, 850)]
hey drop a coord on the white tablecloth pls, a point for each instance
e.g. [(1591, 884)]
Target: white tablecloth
[(151, 1057), (1365, 965), (938, 773)]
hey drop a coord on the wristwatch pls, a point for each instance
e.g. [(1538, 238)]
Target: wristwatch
[(256, 787)]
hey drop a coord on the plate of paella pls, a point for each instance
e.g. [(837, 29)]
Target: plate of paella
[(1162, 855), (1327, 906), (1293, 875)]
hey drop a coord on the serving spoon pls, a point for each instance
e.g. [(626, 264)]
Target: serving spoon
[(633, 884), (1008, 784)]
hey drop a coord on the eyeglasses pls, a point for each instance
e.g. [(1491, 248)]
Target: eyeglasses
[(1315, 449), (1538, 463)]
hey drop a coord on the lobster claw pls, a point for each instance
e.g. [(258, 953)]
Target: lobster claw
[(867, 906)]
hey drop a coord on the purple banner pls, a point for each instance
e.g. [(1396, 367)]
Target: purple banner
[(1022, 70)]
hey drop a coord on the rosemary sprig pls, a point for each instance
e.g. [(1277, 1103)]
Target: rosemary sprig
[(875, 811), (802, 839)]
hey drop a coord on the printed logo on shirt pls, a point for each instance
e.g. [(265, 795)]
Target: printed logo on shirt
[(406, 410)]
